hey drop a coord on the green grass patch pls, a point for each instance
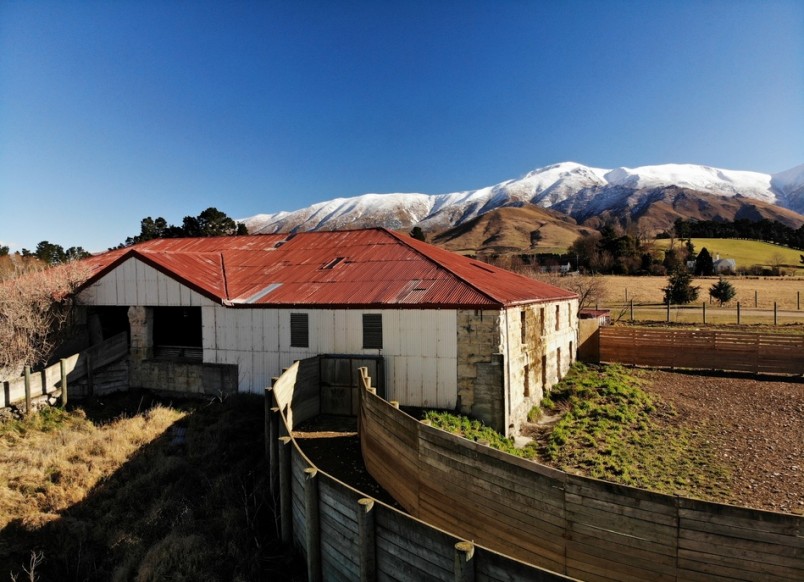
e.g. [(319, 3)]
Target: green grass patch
[(46, 420), (744, 252), (612, 429), (474, 430)]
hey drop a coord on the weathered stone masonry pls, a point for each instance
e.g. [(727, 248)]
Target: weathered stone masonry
[(508, 359)]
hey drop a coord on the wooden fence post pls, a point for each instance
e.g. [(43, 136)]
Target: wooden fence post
[(63, 372), (632, 311), (756, 294), (464, 564), (268, 403), (738, 313), (798, 300), (704, 312), (273, 458), (668, 311), (368, 542), (90, 383), (775, 314), (313, 529), (285, 494), (27, 372)]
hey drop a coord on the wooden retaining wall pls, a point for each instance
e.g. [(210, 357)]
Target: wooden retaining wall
[(347, 536), (77, 367), (585, 528), (739, 351)]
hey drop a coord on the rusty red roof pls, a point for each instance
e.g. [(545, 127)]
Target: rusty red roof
[(353, 268)]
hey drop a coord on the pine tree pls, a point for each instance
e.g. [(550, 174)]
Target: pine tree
[(704, 265), (722, 291), (417, 233), (679, 288)]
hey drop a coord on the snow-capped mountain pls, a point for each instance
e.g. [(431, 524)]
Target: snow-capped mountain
[(577, 190)]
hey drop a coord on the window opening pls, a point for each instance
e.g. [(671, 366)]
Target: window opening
[(558, 317), (558, 363), (523, 326)]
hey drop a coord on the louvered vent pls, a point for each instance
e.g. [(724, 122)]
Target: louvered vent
[(372, 331), (299, 330)]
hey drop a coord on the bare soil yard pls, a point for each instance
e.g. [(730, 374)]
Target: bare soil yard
[(756, 425)]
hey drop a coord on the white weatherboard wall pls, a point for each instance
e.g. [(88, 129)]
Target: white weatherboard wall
[(419, 346), (135, 283)]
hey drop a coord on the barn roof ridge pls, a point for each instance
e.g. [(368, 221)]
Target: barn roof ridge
[(243, 270)]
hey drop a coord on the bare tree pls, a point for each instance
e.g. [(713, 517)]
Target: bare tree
[(35, 308), (776, 262), (591, 289)]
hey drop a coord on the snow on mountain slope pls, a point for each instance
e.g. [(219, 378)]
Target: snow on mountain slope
[(570, 187), (701, 178), (790, 186)]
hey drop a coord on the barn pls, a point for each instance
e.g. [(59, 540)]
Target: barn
[(229, 313)]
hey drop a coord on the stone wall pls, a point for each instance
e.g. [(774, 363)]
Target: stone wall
[(541, 342), (481, 378), (508, 359)]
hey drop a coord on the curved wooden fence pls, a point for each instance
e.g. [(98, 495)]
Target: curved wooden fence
[(585, 528), (345, 535)]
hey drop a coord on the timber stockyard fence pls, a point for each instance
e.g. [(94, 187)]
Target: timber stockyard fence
[(515, 512), (56, 378), (758, 353), (345, 535)]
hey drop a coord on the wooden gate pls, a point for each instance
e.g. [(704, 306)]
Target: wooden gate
[(340, 380)]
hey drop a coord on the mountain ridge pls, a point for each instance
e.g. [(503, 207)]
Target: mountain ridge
[(582, 192)]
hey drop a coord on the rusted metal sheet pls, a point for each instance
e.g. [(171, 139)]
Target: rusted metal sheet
[(358, 268)]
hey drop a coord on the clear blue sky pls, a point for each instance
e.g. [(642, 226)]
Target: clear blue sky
[(113, 111)]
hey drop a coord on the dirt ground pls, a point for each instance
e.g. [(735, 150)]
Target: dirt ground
[(756, 423)]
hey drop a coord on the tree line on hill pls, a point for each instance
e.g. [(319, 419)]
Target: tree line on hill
[(210, 222), (762, 230)]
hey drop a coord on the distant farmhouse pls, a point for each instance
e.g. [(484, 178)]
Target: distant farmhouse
[(230, 313), (724, 265)]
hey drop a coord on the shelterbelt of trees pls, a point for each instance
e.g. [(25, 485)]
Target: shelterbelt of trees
[(762, 230), (211, 222)]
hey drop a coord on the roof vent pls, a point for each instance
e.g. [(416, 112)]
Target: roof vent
[(332, 264)]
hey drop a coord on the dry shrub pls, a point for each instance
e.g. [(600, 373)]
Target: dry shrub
[(177, 557), (35, 309)]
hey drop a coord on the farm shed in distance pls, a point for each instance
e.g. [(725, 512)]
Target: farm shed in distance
[(453, 332)]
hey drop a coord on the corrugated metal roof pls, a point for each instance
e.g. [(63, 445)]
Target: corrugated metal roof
[(357, 268)]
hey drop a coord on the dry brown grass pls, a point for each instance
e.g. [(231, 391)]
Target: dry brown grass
[(621, 289), (49, 465), (110, 496)]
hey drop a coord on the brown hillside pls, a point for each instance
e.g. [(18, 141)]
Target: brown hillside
[(655, 211), (509, 229)]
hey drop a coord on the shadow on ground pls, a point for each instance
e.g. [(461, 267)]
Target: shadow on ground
[(193, 504)]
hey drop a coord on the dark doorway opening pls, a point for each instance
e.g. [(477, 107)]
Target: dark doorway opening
[(177, 333)]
